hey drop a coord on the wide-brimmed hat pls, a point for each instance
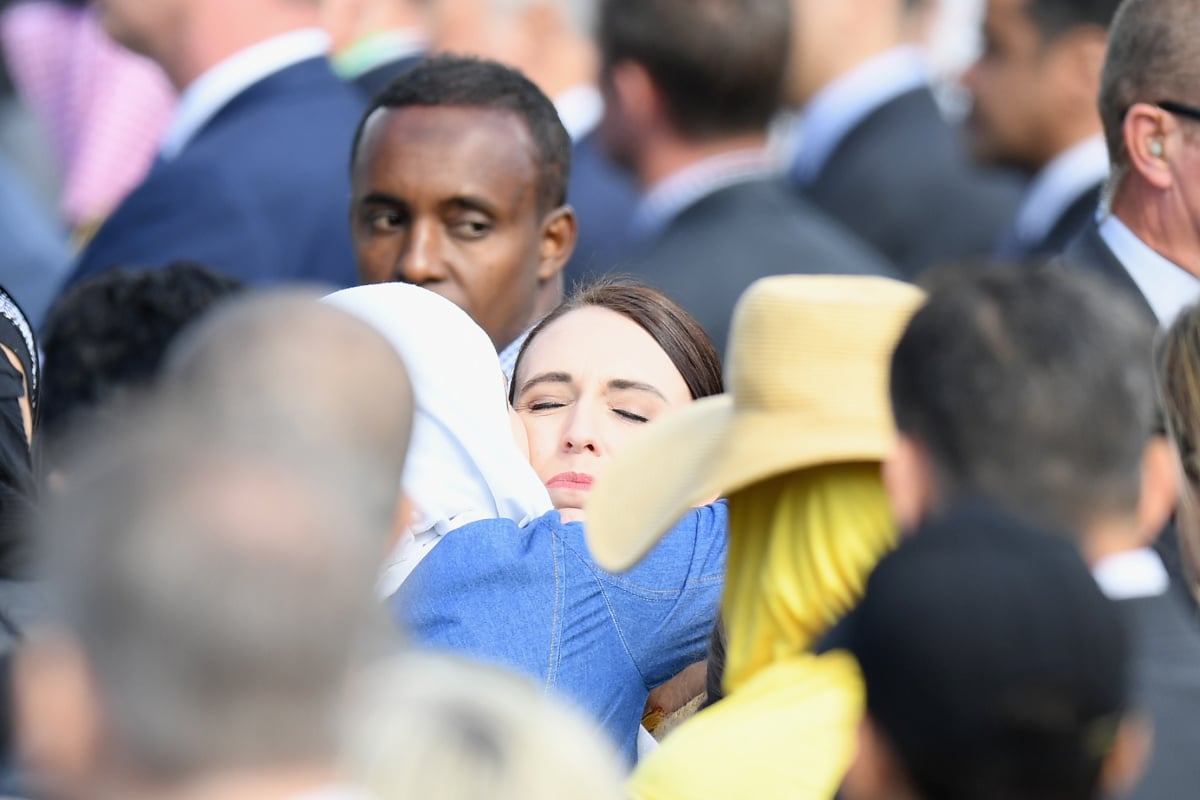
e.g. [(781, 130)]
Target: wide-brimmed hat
[(806, 383)]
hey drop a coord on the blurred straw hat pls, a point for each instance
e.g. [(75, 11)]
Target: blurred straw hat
[(806, 383)]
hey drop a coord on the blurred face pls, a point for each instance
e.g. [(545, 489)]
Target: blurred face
[(474, 27), (815, 43), (587, 384), (144, 26), (446, 198), (1015, 85)]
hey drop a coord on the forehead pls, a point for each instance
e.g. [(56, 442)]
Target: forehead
[(598, 343), (446, 152)]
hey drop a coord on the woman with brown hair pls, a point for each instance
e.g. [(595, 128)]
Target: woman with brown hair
[(1179, 387), (610, 359)]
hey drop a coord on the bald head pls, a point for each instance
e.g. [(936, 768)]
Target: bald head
[(219, 594), (282, 367)]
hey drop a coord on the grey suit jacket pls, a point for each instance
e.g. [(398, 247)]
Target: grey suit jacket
[(711, 252), (902, 181)]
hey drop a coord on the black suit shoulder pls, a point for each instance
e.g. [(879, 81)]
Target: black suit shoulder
[(904, 182), (1167, 687), (715, 249), (1069, 225), (1090, 253)]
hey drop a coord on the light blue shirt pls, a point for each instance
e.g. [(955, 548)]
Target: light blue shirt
[(840, 107), (533, 600), (1059, 184)]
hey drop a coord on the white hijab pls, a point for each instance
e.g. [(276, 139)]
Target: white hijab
[(463, 465)]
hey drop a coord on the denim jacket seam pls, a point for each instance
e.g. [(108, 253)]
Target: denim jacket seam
[(552, 667)]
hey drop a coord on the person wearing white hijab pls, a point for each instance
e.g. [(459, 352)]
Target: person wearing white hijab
[(464, 464), (509, 583)]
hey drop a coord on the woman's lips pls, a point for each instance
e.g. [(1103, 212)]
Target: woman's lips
[(571, 480)]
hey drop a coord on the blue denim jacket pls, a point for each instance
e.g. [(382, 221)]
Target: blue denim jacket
[(533, 600)]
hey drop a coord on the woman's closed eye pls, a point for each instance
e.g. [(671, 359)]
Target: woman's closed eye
[(546, 404), (630, 416)]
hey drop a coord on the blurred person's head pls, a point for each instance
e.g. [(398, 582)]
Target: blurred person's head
[(213, 595), (611, 359), (689, 77), (281, 366), (351, 21), (1178, 360), (442, 729), (1152, 67), (1035, 85), (189, 37), (109, 334), (1034, 390), (830, 39), (459, 183), (550, 41), (464, 464), (994, 668)]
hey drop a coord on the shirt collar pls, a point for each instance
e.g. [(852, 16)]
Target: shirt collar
[(1133, 574), (839, 107), (508, 356), (378, 49), (1061, 182), (673, 195), (580, 108), (1167, 287), (213, 90)]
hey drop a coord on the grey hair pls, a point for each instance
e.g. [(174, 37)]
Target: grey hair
[(280, 366), (1153, 55), (439, 728), (222, 595)]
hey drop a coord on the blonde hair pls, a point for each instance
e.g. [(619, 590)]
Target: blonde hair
[(439, 728), (1178, 360)]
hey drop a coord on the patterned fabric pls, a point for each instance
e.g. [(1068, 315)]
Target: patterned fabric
[(104, 108)]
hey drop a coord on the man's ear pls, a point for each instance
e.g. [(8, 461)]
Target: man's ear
[(908, 480), (1129, 757), (1160, 488), (560, 231), (56, 714), (1148, 144)]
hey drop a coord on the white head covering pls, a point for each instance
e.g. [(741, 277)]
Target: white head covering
[(463, 465)]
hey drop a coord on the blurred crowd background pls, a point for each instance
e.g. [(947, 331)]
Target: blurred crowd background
[(666, 399)]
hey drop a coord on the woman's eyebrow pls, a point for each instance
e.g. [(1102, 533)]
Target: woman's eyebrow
[(545, 377), (620, 385)]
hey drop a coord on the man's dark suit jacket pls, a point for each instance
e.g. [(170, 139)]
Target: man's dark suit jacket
[(261, 193), (604, 199), (902, 181), (1167, 687), (1089, 252), (372, 82), (711, 252), (1069, 225)]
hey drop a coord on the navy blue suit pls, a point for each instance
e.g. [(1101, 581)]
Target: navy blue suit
[(260, 193), (604, 200)]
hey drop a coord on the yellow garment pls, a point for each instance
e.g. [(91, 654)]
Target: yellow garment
[(788, 733), (801, 548)]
